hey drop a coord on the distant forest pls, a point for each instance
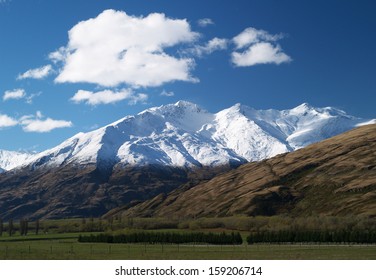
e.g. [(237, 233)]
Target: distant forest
[(259, 229)]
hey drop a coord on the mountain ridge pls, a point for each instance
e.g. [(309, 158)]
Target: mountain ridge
[(185, 135), (13, 159), (334, 177), (155, 152)]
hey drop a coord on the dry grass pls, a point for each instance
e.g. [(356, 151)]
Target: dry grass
[(334, 177)]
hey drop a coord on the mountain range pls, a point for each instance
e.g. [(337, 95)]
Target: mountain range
[(156, 151), (335, 177), (185, 135)]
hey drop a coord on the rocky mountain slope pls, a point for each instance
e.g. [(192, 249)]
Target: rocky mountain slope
[(334, 177), (154, 152)]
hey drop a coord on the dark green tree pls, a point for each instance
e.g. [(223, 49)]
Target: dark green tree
[(37, 227), (22, 222), (111, 222), (10, 227), (100, 226), (24, 227)]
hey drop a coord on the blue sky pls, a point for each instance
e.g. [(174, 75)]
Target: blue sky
[(74, 65)]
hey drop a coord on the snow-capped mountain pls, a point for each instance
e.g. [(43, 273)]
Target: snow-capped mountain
[(11, 159), (184, 135)]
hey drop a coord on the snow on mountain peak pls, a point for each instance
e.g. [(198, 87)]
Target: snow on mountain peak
[(187, 104), (304, 106), (183, 134), (373, 121), (11, 159)]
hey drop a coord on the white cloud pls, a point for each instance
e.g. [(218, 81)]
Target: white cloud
[(30, 97), (138, 98), (167, 93), (6, 121), (260, 53), (205, 22), (59, 55), (37, 73), (45, 125), (252, 35), (115, 48), (20, 94), (213, 45), (14, 94), (35, 123), (259, 47), (107, 97)]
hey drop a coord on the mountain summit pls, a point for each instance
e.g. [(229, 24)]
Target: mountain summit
[(154, 152), (185, 135), (335, 177)]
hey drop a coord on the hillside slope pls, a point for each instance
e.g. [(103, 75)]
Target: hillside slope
[(154, 152), (334, 177)]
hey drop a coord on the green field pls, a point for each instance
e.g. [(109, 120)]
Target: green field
[(58, 239), (65, 247)]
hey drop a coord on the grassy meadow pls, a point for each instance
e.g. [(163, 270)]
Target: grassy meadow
[(67, 249), (59, 240)]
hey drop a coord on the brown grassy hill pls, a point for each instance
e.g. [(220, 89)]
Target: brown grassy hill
[(334, 177), (74, 191)]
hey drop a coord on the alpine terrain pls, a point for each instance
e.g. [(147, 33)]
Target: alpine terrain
[(10, 159), (336, 177), (153, 152)]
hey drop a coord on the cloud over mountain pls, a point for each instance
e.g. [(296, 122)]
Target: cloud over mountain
[(108, 97), (37, 123), (255, 46)]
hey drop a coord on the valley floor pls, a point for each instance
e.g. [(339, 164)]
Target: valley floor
[(66, 247)]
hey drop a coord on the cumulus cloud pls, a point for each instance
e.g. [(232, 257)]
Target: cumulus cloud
[(37, 73), (205, 22), (213, 45), (14, 94), (33, 123), (257, 47), (252, 35), (37, 123), (115, 48), (108, 97), (20, 94), (6, 121), (260, 53)]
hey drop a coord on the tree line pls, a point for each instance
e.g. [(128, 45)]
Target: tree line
[(288, 236), (165, 237), (23, 227)]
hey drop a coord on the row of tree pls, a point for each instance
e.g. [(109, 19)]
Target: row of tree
[(166, 237), (288, 236), (22, 227)]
